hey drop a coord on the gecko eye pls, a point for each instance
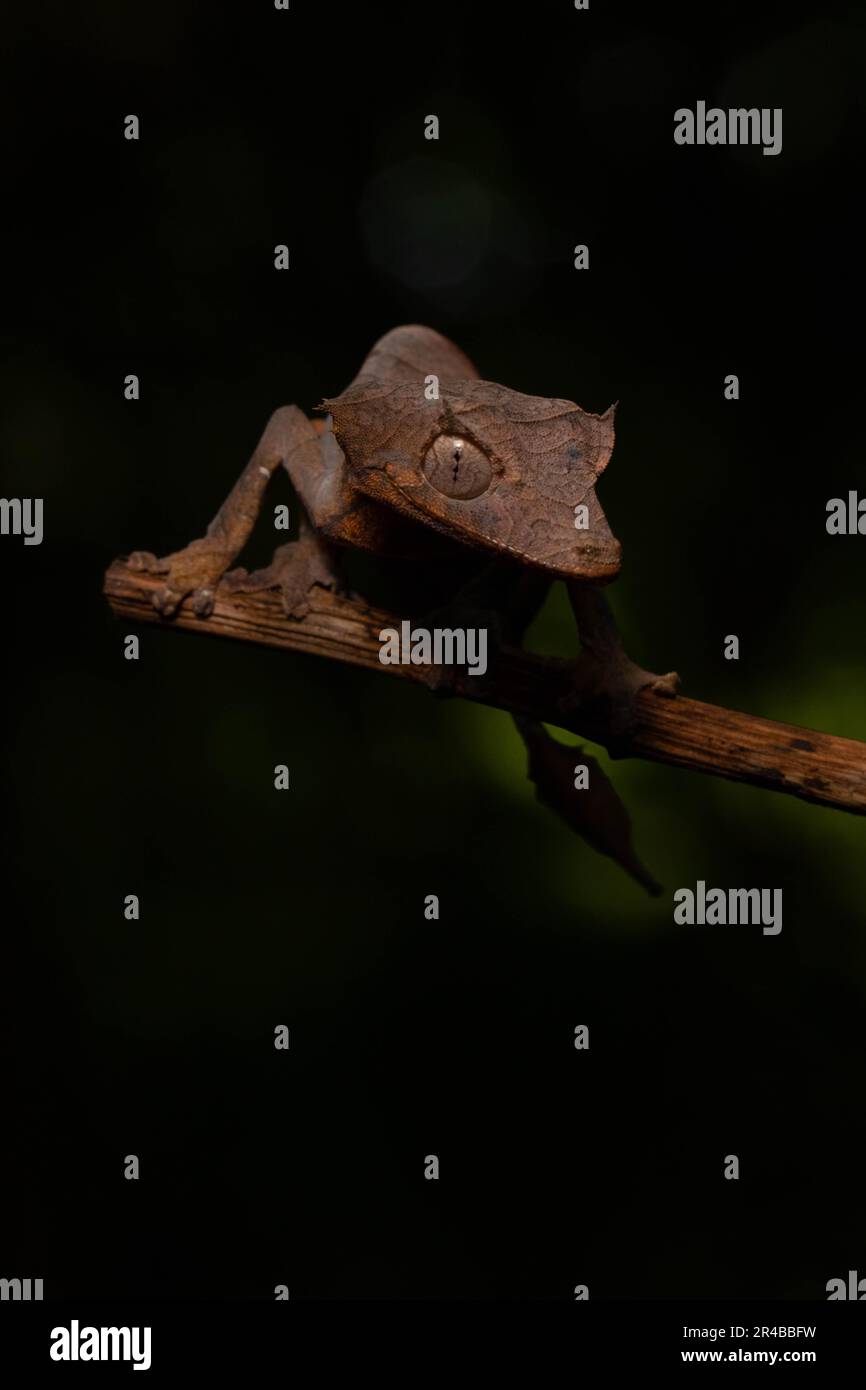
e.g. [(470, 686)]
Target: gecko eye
[(456, 467)]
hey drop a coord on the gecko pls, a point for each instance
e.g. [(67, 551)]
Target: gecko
[(421, 461)]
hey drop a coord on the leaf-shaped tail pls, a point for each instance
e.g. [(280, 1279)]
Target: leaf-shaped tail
[(595, 811)]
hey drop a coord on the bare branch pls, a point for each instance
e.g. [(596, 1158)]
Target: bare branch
[(817, 767)]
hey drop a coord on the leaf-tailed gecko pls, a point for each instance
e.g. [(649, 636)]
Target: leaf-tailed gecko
[(416, 457)]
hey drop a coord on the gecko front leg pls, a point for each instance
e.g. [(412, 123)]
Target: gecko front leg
[(606, 680), (198, 568)]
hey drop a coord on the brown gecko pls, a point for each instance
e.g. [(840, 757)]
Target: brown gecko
[(420, 459)]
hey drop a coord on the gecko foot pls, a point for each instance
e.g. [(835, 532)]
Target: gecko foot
[(196, 570), (294, 569), (605, 689)]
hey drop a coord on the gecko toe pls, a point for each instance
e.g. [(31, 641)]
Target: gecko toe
[(167, 601), (667, 685), (202, 602), (145, 561)]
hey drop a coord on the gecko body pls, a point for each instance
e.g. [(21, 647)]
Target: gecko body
[(419, 459)]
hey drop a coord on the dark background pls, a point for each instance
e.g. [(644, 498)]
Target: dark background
[(306, 908)]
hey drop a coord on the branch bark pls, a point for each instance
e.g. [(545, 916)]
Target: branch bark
[(817, 767)]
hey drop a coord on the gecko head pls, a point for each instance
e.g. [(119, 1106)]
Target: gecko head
[(487, 466)]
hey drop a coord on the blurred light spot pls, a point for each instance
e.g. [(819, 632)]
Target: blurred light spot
[(427, 223)]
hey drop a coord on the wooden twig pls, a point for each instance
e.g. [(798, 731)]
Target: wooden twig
[(687, 733)]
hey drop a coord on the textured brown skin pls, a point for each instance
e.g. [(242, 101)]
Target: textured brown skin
[(360, 476), (545, 455), (509, 471)]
